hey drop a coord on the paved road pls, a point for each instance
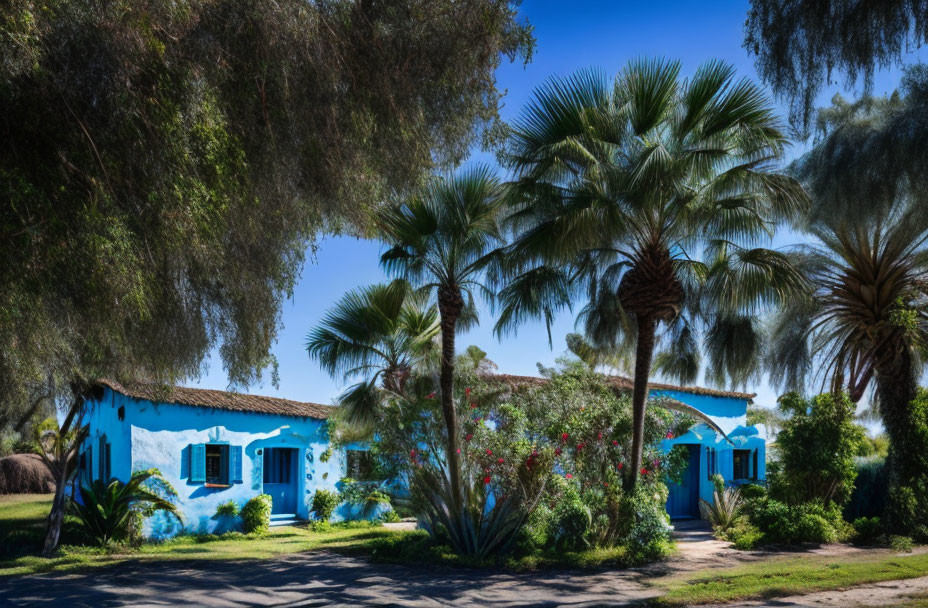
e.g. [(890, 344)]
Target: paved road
[(319, 579)]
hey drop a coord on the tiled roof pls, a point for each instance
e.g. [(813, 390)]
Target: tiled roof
[(624, 383), (223, 400)]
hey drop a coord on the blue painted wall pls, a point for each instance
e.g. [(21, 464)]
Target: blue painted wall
[(727, 412), (160, 435)]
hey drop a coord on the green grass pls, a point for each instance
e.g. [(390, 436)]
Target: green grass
[(780, 577), (22, 527)]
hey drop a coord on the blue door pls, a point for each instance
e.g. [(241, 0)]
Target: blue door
[(280, 479), (683, 501)]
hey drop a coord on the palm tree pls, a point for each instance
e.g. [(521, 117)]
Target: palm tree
[(621, 184), (864, 321), (380, 332), (443, 240)]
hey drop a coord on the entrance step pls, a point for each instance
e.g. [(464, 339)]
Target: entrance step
[(284, 519)]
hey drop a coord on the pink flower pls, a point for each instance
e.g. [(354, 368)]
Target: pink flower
[(669, 435), (486, 479), (564, 437), (430, 395), (656, 463), (459, 450), (569, 476)]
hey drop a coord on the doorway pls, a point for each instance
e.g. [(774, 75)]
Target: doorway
[(280, 479), (683, 501)]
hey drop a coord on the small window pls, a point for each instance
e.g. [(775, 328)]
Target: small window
[(217, 464), (360, 465), (742, 464)]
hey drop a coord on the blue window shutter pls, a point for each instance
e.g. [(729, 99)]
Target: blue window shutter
[(198, 462), (235, 464)]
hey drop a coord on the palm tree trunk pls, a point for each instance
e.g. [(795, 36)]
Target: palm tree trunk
[(60, 461), (896, 386), (450, 304), (56, 515), (644, 350)]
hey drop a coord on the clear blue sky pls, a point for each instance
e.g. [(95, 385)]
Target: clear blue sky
[(570, 36)]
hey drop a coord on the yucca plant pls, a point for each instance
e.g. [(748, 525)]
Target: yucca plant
[(106, 509), (726, 507)]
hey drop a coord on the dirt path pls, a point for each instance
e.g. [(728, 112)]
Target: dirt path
[(323, 579)]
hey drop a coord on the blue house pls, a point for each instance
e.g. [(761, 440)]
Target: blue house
[(214, 446), (721, 444)]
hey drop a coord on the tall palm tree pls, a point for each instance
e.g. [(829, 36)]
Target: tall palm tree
[(623, 184), (864, 321), (443, 240), (380, 332)]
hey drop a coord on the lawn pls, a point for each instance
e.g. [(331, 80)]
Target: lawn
[(781, 577)]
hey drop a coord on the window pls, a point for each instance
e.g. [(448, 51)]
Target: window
[(742, 464), (217, 467), (104, 460), (215, 464), (360, 465), (712, 463), (278, 464)]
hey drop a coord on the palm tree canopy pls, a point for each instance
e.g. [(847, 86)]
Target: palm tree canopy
[(867, 263), (446, 236), (649, 195), (379, 333)]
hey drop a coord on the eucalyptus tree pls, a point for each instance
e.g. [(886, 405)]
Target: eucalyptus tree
[(800, 45), (864, 321), (647, 197), (442, 240), (382, 333)]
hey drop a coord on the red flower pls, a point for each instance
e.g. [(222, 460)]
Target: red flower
[(459, 450), (473, 406), (580, 446), (564, 437), (489, 452), (412, 454), (605, 484), (557, 451), (468, 437), (486, 479), (644, 471), (430, 395), (619, 467), (569, 476), (500, 461), (615, 442), (599, 436), (669, 435), (467, 391)]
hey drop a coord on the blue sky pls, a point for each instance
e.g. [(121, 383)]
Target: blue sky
[(570, 36)]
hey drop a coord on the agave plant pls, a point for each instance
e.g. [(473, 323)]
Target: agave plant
[(726, 507), (476, 527), (106, 509)]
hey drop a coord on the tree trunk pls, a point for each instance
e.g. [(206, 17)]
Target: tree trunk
[(450, 304), (55, 518), (896, 387), (60, 461), (644, 349)]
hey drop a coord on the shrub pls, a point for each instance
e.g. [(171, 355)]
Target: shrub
[(227, 509), (817, 448), (867, 531), (649, 537), (744, 535), (114, 511), (810, 522), (901, 544), (752, 491), (388, 517), (907, 472), (256, 515), (324, 503), (571, 521)]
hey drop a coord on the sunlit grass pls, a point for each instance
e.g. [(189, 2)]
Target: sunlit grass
[(790, 576)]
